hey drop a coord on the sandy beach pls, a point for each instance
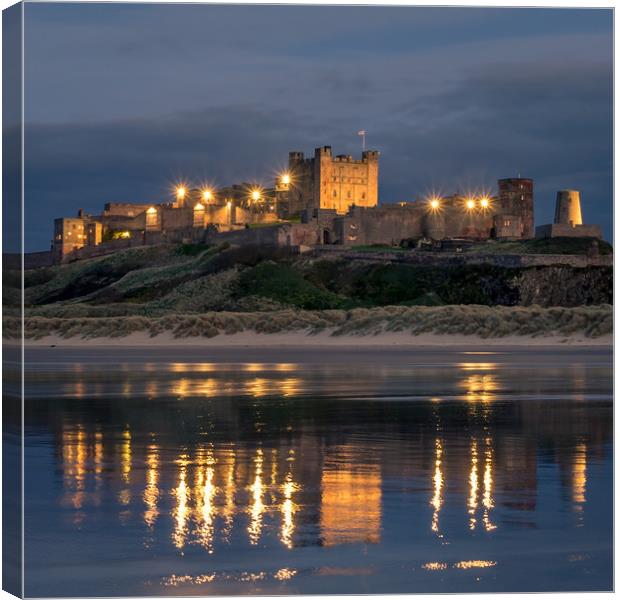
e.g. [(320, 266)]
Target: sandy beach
[(323, 340)]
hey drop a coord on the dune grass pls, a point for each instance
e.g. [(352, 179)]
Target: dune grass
[(481, 321)]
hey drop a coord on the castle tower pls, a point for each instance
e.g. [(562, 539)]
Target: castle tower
[(331, 182), (568, 208), (516, 197)]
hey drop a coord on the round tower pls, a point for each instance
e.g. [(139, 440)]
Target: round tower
[(568, 208)]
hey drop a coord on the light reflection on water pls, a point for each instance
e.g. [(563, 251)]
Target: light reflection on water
[(439, 470)]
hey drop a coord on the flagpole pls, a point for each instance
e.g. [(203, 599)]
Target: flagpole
[(362, 133)]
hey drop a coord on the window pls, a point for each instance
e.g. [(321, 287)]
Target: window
[(348, 194), (74, 226), (335, 194), (363, 195)]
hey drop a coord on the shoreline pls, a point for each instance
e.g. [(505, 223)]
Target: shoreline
[(324, 339)]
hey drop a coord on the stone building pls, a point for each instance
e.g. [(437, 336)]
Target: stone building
[(69, 234), (516, 200), (328, 182), (180, 221), (567, 221)]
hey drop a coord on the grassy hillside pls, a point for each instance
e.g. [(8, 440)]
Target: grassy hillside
[(165, 280)]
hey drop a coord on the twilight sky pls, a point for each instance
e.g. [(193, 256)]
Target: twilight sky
[(123, 100)]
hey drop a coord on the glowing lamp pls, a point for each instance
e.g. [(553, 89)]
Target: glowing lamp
[(484, 202), (470, 204), (255, 195), (181, 191), (152, 210), (207, 195), (434, 203), (286, 179)]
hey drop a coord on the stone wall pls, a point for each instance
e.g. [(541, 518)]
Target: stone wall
[(442, 259), (564, 230)]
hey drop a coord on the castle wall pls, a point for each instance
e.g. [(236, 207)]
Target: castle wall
[(124, 209), (384, 225), (507, 227)]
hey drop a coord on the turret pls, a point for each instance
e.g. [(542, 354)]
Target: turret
[(568, 208)]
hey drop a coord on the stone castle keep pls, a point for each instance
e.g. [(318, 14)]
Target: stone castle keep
[(322, 200)]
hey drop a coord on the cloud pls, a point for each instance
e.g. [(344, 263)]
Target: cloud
[(122, 101)]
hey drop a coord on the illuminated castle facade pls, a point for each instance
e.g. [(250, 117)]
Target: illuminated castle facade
[(320, 200), (329, 182)]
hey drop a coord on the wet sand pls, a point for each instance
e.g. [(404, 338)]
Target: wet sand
[(367, 350)]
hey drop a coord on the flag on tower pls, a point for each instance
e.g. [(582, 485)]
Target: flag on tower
[(362, 132)]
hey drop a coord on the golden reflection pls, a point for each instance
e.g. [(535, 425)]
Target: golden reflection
[(480, 387), (258, 387), (283, 574), (475, 564), (74, 455), (435, 566), (180, 510), (288, 511), (478, 366), (487, 497), (290, 386), (205, 496), (579, 476), (437, 500), (124, 496), (180, 387), (126, 456), (256, 512), (98, 456), (351, 505), (472, 502), (151, 491), (228, 511)]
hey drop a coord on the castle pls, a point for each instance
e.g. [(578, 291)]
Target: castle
[(327, 182), (323, 200)]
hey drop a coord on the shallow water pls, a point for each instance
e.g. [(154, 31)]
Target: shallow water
[(373, 472)]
